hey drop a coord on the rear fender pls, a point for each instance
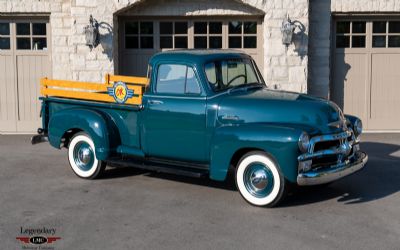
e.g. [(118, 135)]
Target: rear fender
[(96, 124), (278, 141)]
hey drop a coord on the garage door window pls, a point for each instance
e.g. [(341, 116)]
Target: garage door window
[(31, 36), (386, 34), (351, 34), (4, 36), (173, 35), (208, 35), (139, 35), (242, 35), (138, 44)]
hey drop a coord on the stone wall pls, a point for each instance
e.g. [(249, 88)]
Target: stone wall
[(286, 69), (72, 59)]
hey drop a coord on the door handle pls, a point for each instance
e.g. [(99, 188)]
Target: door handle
[(155, 102)]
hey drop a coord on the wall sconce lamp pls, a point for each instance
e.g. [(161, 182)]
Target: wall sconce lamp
[(287, 30), (92, 34)]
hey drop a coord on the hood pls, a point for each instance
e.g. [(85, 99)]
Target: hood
[(280, 107)]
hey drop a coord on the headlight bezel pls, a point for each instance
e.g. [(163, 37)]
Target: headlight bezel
[(358, 127), (304, 142)]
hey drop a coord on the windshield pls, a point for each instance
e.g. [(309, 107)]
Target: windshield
[(231, 73)]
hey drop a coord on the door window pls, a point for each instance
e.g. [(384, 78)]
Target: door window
[(386, 34), (173, 35), (31, 36), (207, 35), (139, 35), (350, 34), (177, 79), (242, 35), (4, 36)]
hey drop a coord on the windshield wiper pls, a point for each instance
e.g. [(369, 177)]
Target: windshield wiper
[(246, 86)]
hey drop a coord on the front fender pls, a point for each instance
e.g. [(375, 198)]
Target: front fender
[(92, 122), (279, 141)]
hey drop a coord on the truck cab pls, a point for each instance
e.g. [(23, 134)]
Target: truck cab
[(201, 113)]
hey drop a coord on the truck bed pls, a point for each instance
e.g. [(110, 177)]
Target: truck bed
[(124, 117), (118, 100)]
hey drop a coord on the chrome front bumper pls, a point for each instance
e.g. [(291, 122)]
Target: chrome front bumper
[(326, 175), (329, 174), (330, 157)]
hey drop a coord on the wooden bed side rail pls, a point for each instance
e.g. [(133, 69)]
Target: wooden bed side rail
[(116, 89)]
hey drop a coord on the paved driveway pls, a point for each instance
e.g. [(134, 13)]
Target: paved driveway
[(131, 209)]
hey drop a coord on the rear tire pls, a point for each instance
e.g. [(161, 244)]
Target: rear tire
[(259, 179), (82, 157)]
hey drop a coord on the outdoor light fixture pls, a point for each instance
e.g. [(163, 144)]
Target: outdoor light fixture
[(92, 34), (287, 30)]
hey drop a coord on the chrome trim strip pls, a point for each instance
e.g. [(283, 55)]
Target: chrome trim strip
[(307, 156), (330, 137), (316, 177)]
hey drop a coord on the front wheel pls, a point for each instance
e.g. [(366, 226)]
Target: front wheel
[(82, 157), (259, 179)]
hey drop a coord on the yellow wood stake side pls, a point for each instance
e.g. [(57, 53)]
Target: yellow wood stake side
[(101, 92)]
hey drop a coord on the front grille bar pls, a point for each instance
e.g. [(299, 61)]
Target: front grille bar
[(332, 137)]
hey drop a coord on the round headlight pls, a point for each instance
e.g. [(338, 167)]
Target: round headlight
[(304, 142), (358, 127)]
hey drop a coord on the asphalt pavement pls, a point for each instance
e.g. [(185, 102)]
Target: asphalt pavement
[(133, 209)]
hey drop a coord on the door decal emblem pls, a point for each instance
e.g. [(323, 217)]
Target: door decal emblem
[(120, 92)]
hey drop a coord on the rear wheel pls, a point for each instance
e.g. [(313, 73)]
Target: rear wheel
[(82, 157), (259, 179)]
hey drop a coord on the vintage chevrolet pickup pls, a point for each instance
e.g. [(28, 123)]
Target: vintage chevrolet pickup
[(200, 113)]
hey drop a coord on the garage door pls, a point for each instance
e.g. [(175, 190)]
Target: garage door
[(366, 73), (24, 59), (140, 39)]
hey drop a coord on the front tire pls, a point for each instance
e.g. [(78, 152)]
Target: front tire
[(259, 179), (82, 157)]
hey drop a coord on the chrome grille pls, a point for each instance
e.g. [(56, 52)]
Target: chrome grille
[(335, 145)]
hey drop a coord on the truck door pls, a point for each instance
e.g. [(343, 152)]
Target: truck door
[(174, 121)]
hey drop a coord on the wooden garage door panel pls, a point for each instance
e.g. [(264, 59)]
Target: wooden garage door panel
[(7, 94), (385, 92), (136, 64), (366, 75), (350, 81), (30, 69)]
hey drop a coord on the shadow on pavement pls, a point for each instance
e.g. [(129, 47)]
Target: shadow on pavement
[(121, 172), (379, 179)]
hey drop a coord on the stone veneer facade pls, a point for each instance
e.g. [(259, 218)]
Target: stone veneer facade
[(72, 59)]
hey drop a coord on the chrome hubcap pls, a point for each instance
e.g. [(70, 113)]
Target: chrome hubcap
[(83, 156), (258, 180)]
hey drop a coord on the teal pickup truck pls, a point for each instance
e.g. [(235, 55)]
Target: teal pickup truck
[(200, 114)]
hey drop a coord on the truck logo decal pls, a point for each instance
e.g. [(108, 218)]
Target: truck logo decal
[(120, 92)]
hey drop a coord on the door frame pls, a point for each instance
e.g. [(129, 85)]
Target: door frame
[(368, 50), (14, 53)]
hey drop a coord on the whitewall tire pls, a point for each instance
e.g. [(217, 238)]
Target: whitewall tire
[(82, 157), (259, 179)]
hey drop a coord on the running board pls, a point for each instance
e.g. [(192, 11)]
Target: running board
[(161, 168)]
